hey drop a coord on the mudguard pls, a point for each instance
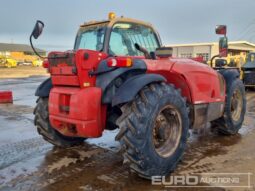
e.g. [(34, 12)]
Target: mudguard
[(44, 89), (229, 75), (107, 76), (128, 90)]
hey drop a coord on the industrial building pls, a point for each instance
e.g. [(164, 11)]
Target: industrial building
[(237, 50), (19, 52)]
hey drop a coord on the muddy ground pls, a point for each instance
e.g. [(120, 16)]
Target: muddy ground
[(22, 72), (27, 162)]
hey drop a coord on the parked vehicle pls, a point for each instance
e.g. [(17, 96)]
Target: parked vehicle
[(37, 63), (120, 77), (248, 71), (8, 62)]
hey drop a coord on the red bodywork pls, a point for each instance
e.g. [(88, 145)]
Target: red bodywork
[(193, 78), (199, 59), (75, 109), (75, 103)]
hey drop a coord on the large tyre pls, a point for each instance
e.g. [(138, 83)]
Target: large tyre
[(153, 130), (44, 128), (235, 107)]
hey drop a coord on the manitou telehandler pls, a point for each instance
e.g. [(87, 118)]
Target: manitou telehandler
[(119, 76)]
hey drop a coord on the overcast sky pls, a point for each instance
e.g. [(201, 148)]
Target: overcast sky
[(178, 21)]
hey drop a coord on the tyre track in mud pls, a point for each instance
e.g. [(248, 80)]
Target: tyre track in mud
[(196, 152), (201, 147), (16, 112), (210, 144), (89, 167), (59, 164), (19, 151), (11, 153)]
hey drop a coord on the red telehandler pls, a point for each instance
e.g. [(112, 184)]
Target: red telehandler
[(119, 76)]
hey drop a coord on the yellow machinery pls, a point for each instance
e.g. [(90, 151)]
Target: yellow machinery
[(245, 64), (26, 59), (37, 62), (7, 62), (248, 70), (234, 61)]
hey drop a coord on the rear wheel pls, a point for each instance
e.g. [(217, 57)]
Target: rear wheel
[(235, 107), (153, 130), (44, 128)]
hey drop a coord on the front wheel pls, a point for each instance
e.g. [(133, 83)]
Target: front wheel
[(45, 129), (235, 107), (153, 130)]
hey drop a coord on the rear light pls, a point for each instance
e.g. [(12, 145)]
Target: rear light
[(45, 63), (119, 62)]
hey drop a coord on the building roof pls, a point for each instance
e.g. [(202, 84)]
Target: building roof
[(192, 44), (213, 43), (6, 47)]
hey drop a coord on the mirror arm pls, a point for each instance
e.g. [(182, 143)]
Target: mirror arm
[(211, 61), (143, 50), (146, 53), (31, 43)]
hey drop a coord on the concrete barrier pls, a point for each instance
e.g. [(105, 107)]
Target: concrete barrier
[(6, 97)]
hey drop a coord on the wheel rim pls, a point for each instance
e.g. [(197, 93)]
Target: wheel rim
[(236, 105), (167, 131)]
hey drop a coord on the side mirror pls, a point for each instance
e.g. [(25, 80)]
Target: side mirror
[(38, 28), (221, 29), (223, 46), (164, 52)]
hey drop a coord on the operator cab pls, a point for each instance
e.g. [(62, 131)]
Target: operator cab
[(119, 37)]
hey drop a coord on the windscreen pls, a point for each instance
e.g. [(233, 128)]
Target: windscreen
[(125, 35), (91, 37)]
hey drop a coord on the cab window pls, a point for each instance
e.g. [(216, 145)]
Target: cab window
[(125, 35), (91, 37)]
